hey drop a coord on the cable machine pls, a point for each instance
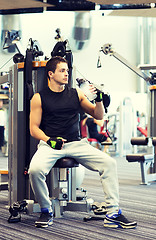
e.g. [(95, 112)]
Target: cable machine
[(148, 163)]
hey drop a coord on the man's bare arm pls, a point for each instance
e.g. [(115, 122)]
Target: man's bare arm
[(96, 111), (35, 119)]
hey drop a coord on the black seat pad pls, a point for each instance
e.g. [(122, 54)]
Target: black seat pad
[(139, 157), (66, 162)]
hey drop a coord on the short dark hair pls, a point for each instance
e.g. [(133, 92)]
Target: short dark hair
[(52, 64)]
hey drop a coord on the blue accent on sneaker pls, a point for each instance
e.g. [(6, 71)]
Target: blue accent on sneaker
[(44, 210), (114, 214), (120, 211), (45, 220), (117, 220)]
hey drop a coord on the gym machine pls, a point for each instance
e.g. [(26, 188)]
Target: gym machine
[(147, 161), (26, 78)]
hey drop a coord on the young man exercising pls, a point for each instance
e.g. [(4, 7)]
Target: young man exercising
[(54, 120)]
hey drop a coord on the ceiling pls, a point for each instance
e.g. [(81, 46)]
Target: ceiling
[(137, 8), (20, 6), (110, 2), (134, 12), (12, 4), (32, 6)]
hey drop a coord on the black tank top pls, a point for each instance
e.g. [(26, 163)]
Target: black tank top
[(60, 113)]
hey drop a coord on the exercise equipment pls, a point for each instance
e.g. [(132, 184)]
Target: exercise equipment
[(61, 180), (146, 160), (60, 49), (11, 32), (142, 131), (127, 126), (15, 211), (108, 50), (63, 187), (151, 81), (84, 134), (3, 180)]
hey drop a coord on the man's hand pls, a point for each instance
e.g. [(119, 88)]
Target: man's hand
[(98, 93), (56, 142), (99, 97)]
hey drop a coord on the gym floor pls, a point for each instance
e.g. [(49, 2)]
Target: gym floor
[(137, 203)]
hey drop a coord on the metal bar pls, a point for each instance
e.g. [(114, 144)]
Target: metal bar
[(133, 68), (107, 49), (4, 79), (146, 67)]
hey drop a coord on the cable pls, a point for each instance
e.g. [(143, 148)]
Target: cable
[(6, 62), (80, 73)]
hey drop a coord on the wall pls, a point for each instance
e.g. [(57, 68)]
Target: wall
[(121, 32)]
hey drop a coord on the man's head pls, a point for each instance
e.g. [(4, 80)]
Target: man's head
[(52, 64)]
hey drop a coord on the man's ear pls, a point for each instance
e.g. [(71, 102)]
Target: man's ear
[(50, 74)]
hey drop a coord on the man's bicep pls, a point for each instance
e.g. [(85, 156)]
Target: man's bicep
[(86, 105), (36, 110)]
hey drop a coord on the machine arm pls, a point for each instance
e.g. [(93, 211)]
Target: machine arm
[(4, 79), (107, 49)]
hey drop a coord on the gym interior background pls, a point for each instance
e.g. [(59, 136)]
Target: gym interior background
[(127, 34), (133, 36)]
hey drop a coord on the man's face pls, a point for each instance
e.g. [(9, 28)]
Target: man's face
[(61, 73)]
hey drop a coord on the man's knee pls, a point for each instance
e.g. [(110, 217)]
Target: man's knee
[(34, 171), (111, 163)]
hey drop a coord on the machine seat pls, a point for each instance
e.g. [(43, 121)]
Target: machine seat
[(66, 162), (140, 157)]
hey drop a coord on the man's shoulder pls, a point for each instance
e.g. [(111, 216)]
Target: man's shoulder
[(36, 100), (43, 92), (71, 89), (45, 89)]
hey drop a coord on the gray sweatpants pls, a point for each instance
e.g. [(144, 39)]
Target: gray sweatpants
[(90, 157)]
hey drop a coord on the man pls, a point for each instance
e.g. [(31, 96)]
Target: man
[(92, 125), (54, 120)]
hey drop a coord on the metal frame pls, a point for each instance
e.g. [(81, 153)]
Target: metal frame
[(107, 50), (19, 186), (63, 192), (145, 175)]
